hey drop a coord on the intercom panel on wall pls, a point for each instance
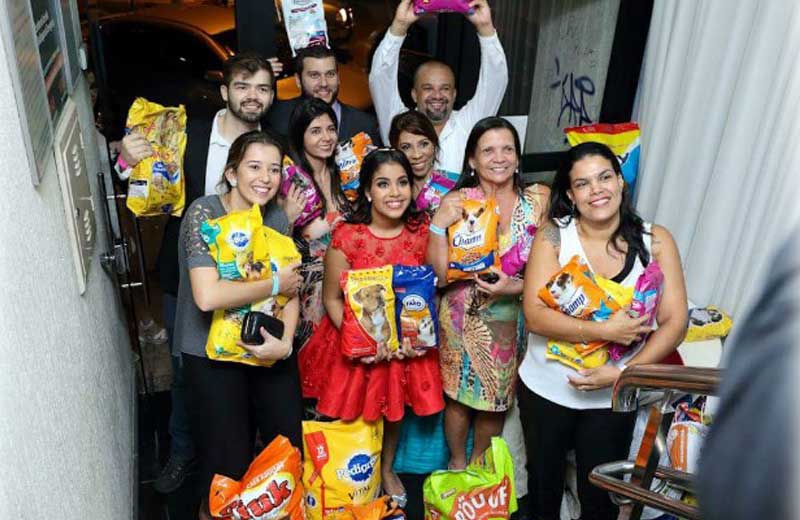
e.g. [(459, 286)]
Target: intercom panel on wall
[(76, 190)]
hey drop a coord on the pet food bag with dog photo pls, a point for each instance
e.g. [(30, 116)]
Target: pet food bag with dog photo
[(622, 139), (157, 185), (415, 292), (282, 252), (369, 313), (342, 465), (349, 156), (485, 490), (271, 488), (708, 323), (293, 175), (305, 23), (472, 240), (442, 6)]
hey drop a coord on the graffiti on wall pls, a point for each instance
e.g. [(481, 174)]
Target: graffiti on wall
[(574, 94)]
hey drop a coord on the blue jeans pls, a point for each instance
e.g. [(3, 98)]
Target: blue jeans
[(182, 447)]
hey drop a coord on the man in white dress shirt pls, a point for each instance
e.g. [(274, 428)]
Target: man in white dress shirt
[(434, 90)]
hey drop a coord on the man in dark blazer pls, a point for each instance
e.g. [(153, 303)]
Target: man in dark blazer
[(317, 75), (248, 90)]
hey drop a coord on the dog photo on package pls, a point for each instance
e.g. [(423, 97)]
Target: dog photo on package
[(369, 312)]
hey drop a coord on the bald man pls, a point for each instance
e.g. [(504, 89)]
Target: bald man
[(434, 90)]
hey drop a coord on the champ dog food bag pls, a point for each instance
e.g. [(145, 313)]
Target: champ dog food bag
[(157, 184), (305, 23), (293, 175), (342, 465), (442, 6), (271, 488), (349, 156), (566, 353), (485, 490), (574, 291), (415, 294), (622, 139), (369, 313), (472, 240)]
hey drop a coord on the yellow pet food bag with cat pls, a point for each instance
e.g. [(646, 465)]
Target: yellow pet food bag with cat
[(157, 185), (236, 243), (342, 465), (369, 312), (472, 240)]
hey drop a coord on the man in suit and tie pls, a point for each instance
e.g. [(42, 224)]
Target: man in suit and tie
[(317, 75)]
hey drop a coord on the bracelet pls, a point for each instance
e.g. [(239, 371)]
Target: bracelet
[(276, 284), (121, 163), (288, 354), (436, 230), (580, 332)]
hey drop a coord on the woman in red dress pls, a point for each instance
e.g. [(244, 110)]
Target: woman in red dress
[(384, 229)]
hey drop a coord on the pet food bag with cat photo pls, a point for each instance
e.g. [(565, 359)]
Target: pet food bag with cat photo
[(415, 292), (305, 23), (270, 489), (472, 240), (442, 6), (293, 175), (342, 465), (156, 185), (574, 291), (369, 313), (349, 156)]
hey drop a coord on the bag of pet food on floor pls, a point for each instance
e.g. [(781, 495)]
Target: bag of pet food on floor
[(442, 6), (485, 490), (574, 291), (622, 139), (157, 184), (270, 489), (305, 23), (415, 291), (708, 323), (349, 156), (342, 465), (293, 175), (380, 509), (472, 240), (369, 313)]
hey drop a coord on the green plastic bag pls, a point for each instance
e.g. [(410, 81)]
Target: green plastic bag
[(483, 491)]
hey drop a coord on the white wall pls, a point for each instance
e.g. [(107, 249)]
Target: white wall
[(66, 375)]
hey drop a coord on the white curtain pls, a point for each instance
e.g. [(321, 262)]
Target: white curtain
[(718, 107)]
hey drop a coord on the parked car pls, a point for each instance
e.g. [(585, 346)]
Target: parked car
[(173, 54)]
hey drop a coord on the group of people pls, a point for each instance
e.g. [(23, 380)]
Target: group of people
[(447, 402)]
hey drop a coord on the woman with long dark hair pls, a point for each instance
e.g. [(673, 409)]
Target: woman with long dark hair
[(312, 146), (480, 319), (561, 408)]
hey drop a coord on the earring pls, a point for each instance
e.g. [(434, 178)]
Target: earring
[(472, 172), (233, 182), (369, 199)]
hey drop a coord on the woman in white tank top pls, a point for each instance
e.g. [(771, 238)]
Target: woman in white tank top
[(562, 408)]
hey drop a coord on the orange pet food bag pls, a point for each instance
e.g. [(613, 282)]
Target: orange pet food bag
[(271, 489), (472, 241), (369, 312), (349, 156)]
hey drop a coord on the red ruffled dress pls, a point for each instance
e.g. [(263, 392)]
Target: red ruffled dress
[(348, 389)]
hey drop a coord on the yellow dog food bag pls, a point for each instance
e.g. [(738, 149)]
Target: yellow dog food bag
[(369, 311), (157, 185), (472, 240), (566, 353), (342, 465)]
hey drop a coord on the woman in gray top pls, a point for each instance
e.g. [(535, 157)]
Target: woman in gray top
[(228, 401)]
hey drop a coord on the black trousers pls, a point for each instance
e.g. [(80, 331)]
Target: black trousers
[(229, 401), (550, 431)]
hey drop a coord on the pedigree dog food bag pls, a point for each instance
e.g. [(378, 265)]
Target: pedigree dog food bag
[(157, 184), (349, 156), (282, 252), (342, 465), (415, 293), (472, 240), (369, 313), (483, 491), (271, 488)]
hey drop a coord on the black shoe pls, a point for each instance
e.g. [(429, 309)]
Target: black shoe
[(173, 474)]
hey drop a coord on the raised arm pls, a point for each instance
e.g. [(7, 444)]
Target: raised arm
[(383, 74), (332, 296)]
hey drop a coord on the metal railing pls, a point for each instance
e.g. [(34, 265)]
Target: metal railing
[(670, 380)]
